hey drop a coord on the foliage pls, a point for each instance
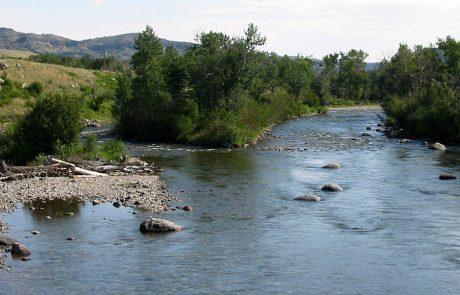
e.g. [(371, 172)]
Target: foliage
[(53, 122), (421, 88), (109, 63), (220, 93), (35, 88)]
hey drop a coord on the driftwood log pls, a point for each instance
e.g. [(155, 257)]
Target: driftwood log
[(59, 168)]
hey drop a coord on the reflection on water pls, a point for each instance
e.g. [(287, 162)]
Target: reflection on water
[(57, 208), (393, 230)]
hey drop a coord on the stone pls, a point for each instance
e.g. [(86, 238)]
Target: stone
[(116, 204), (96, 202), (404, 140), (7, 241), (155, 225), (69, 213), (35, 232), (438, 146), (20, 249), (365, 135), (308, 198), (70, 238), (48, 217), (26, 258), (187, 208), (332, 187), (331, 166), (368, 128), (447, 176)]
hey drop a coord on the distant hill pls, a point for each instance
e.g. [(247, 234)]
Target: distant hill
[(120, 46)]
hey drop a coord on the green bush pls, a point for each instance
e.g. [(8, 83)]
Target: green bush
[(35, 88), (53, 123), (113, 150)]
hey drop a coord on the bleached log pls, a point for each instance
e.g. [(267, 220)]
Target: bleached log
[(77, 170)]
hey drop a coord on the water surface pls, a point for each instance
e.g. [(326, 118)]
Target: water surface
[(395, 229)]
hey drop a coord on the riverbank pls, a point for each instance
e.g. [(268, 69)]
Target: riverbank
[(357, 108)]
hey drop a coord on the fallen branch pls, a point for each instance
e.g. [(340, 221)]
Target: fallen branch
[(76, 169)]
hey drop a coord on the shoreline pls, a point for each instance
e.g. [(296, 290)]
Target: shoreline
[(136, 191), (356, 108)]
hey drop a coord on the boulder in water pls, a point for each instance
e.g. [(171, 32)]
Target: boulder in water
[(332, 187), (155, 225), (447, 176), (308, 198), (438, 146), (7, 241), (20, 249), (332, 166)]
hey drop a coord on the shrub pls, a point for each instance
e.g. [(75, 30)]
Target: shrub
[(35, 88), (113, 150), (53, 122)]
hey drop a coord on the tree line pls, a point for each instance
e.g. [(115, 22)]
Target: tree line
[(225, 90), (107, 63), (420, 90)]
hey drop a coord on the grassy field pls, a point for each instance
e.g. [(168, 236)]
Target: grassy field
[(4, 53), (53, 77)]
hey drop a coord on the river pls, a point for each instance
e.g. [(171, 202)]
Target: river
[(395, 229)]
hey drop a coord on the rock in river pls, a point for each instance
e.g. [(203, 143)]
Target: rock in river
[(4, 240), (20, 249), (155, 225), (308, 198), (331, 187), (332, 166), (447, 176), (438, 146)]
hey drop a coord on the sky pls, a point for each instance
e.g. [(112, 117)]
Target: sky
[(310, 27)]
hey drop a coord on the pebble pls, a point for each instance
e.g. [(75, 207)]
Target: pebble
[(70, 238), (187, 208), (116, 204), (35, 232)]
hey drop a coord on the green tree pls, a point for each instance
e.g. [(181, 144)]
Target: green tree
[(353, 81), (54, 121)]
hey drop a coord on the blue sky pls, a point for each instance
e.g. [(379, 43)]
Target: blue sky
[(309, 27)]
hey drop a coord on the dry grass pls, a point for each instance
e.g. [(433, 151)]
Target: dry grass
[(15, 53), (13, 110), (53, 77)]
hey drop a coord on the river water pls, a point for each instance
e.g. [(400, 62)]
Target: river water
[(395, 229)]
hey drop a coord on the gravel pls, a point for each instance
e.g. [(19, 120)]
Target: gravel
[(143, 191)]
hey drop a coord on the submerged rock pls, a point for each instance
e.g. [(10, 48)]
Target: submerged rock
[(447, 176), (187, 208), (308, 198), (5, 240), (116, 204), (438, 146), (155, 225), (332, 187), (20, 249), (332, 166)]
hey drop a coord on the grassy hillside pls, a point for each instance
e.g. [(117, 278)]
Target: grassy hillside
[(53, 77), (120, 46), (4, 53), (56, 78)]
